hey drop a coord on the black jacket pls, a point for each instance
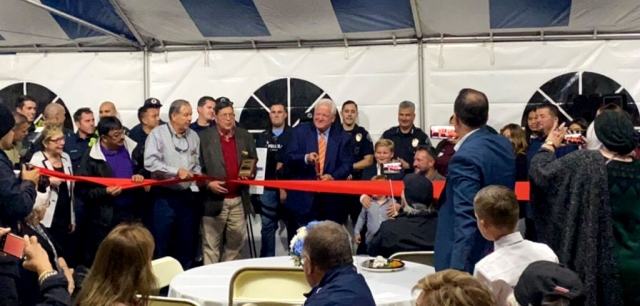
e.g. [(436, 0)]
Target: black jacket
[(98, 204), (276, 148)]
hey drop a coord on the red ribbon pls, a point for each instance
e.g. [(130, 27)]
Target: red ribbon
[(386, 188)]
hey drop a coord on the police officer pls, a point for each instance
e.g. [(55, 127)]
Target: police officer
[(362, 152), (275, 139), (362, 144), (406, 136), (85, 137)]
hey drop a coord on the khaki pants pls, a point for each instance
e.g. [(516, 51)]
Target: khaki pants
[(232, 224)]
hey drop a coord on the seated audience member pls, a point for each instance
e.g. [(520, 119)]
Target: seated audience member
[(374, 215), (122, 269), (424, 161), (453, 288), (60, 216), (496, 209), (20, 130), (444, 150), (414, 228), (518, 138), (28, 284), (328, 267), (548, 283), (106, 207), (53, 285)]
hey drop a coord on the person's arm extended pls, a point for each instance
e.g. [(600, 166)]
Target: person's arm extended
[(365, 162), (17, 198), (464, 177)]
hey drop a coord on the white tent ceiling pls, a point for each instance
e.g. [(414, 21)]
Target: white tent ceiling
[(94, 25)]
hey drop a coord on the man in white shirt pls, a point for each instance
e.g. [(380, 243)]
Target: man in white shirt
[(496, 209)]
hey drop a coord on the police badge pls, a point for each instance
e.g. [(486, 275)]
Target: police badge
[(414, 142), (358, 137)]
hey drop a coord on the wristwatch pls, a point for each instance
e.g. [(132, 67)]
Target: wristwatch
[(550, 143)]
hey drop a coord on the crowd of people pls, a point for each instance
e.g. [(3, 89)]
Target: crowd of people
[(578, 229)]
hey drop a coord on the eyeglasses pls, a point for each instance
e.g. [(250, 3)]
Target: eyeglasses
[(116, 134), (57, 140), (227, 116)]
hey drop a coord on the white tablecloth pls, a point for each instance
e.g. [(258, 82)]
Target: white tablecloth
[(209, 285)]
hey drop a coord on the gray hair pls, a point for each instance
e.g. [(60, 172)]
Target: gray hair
[(330, 104), (407, 105), (328, 246), (176, 106)]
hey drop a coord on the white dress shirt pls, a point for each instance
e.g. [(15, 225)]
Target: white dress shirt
[(459, 143), (500, 270)]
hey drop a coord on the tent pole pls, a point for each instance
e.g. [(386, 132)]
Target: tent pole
[(146, 74), (539, 36), (128, 22), (421, 101), (82, 22), (416, 18), (68, 49)]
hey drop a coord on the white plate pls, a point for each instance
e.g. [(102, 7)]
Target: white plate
[(365, 266)]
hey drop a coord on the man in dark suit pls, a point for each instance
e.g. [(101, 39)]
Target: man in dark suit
[(222, 150), (481, 159), (318, 152)]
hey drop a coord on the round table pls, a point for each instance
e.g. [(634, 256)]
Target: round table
[(209, 285)]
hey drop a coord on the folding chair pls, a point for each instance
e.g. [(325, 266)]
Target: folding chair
[(163, 301), (165, 269), (256, 285), (252, 240), (421, 257)]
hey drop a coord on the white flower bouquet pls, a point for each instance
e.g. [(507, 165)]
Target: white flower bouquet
[(296, 244)]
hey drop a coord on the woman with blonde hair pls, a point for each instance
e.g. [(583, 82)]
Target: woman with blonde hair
[(57, 194), (121, 270), (453, 288), (518, 138)]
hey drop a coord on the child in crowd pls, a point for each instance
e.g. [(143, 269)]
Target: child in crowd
[(373, 216), (496, 210)]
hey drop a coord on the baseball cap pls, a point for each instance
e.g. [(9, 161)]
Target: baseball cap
[(153, 102), (223, 100), (545, 278)]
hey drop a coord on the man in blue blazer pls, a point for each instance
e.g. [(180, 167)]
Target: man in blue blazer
[(481, 159), (307, 160)]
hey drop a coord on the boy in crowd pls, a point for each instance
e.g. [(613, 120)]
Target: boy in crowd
[(496, 210), (373, 216)]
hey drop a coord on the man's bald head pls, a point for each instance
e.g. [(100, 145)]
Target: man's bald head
[(107, 109), (471, 108), (54, 114)]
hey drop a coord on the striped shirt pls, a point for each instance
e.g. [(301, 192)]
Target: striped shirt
[(165, 153)]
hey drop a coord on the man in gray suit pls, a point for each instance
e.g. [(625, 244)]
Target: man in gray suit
[(223, 148)]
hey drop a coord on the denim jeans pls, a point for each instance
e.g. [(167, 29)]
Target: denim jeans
[(269, 217)]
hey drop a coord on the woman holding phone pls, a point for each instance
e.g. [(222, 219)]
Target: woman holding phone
[(58, 194)]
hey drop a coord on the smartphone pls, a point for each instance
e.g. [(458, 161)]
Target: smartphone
[(13, 245), (392, 168), (574, 137), (443, 132)]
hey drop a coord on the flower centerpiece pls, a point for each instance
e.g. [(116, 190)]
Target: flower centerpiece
[(296, 244)]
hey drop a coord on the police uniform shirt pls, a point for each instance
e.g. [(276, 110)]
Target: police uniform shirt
[(362, 144), (276, 149), (406, 144), (76, 146)]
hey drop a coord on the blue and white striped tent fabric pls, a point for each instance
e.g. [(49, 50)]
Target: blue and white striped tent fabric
[(182, 22)]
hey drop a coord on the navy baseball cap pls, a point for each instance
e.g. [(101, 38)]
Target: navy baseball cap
[(153, 102)]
